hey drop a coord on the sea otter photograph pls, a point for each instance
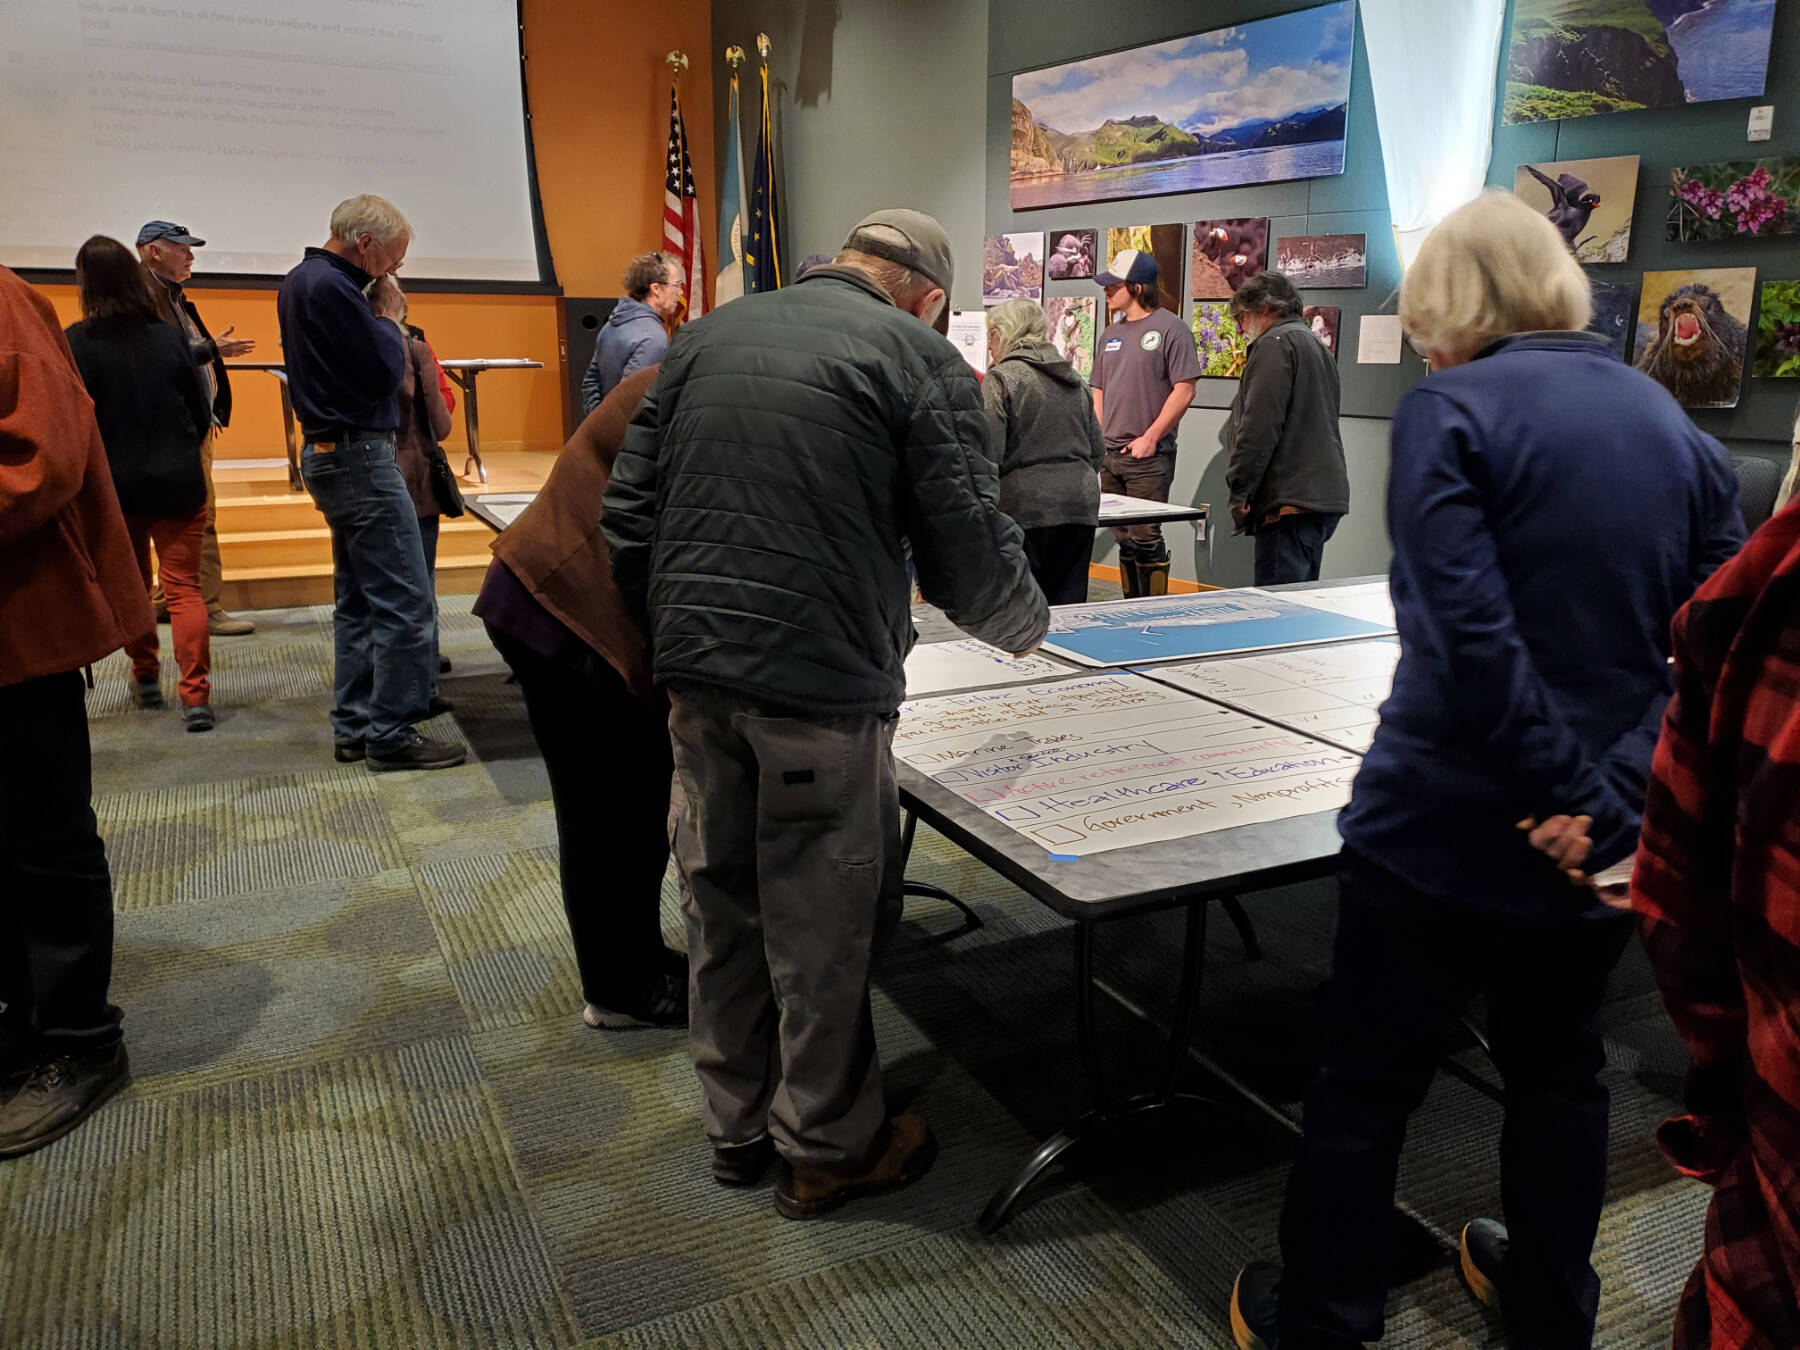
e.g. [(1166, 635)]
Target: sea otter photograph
[(1692, 331)]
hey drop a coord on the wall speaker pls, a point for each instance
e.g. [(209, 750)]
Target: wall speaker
[(578, 321)]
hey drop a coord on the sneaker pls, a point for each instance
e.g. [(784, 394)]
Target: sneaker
[(349, 752), (221, 624), (663, 1004), (419, 754), (57, 1097), (199, 717), (147, 693), (1255, 1306), (807, 1192), (1483, 1261), (742, 1164), (438, 706)]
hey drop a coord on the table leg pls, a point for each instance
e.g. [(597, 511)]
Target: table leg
[(295, 482), (471, 422), (924, 889), (1234, 910), (1110, 1117)]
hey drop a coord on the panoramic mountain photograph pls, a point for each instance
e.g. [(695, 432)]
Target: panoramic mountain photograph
[(1260, 102)]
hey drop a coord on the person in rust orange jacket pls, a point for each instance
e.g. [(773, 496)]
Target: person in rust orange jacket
[(70, 593)]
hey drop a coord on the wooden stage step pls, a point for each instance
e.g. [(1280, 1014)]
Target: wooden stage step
[(276, 547)]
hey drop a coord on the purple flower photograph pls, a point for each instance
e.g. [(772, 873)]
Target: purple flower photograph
[(1744, 199)]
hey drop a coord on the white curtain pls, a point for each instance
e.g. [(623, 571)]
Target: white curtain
[(1433, 65)]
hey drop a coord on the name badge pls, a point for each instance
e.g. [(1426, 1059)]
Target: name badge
[(1113, 344)]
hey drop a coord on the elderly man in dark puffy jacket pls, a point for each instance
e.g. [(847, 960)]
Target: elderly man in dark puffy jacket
[(759, 517)]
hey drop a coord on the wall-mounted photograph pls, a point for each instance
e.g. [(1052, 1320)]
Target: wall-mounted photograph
[(1692, 330), (1588, 200), (1071, 322), (1323, 320), (1778, 332), (1743, 199), (1222, 348), (1329, 262), (1260, 102), (1162, 242), (1577, 58), (1073, 255), (1227, 253), (1012, 268), (1615, 314)]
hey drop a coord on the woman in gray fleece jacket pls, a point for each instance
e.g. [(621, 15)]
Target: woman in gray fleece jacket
[(1044, 433)]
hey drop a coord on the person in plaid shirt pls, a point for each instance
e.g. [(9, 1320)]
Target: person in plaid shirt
[(1717, 886)]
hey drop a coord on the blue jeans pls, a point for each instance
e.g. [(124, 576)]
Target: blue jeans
[(1291, 548), (385, 607), (428, 536)]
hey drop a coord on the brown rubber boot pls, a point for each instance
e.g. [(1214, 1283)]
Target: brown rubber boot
[(807, 1192), (1153, 577)]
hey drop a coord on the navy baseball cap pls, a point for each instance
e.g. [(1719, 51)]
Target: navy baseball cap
[(168, 229), (1129, 266)]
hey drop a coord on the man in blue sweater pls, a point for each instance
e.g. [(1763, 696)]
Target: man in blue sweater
[(637, 331), (346, 356)]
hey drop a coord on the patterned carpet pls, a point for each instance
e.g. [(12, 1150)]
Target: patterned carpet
[(366, 1113)]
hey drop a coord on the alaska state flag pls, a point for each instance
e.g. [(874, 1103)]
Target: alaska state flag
[(730, 283), (762, 255)]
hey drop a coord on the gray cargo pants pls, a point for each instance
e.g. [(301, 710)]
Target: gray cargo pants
[(790, 850)]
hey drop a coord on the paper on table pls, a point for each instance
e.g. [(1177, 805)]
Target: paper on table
[(1378, 340), (1108, 761), (1369, 602), (1214, 623), (1330, 693), (965, 664)]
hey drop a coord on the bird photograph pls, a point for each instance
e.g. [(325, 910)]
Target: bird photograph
[(1588, 200)]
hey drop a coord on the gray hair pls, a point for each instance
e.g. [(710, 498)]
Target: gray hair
[(369, 215), (1012, 324), (1270, 293)]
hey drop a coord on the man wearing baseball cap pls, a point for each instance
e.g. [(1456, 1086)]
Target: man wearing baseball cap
[(1143, 383), (795, 442), (167, 250)]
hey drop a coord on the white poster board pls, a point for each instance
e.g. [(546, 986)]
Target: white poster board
[(1107, 761), (966, 664), (1369, 602), (1331, 693)]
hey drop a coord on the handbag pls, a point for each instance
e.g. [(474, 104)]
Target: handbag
[(444, 486)]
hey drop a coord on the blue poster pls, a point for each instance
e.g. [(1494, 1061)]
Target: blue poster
[(1178, 627)]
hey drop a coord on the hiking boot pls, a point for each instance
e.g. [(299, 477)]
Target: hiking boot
[(807, 1192), (221, 624), (419, 754), (199, 717), (742, 1164), (57, 1096), (147, 693), (664, 1003), (1255, 1306), (1483, 1261), (349, 752)]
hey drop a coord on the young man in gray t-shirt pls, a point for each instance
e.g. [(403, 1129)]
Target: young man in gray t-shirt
[(1143, 382)]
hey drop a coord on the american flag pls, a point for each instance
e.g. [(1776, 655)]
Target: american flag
[(681, 215)]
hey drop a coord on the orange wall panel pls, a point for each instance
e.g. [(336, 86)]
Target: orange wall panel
[(599, 94)]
